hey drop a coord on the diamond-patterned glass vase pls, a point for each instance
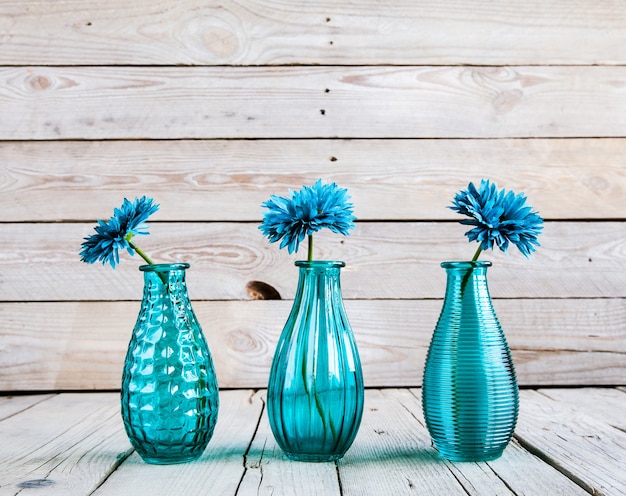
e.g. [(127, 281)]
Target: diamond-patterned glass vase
[(169, 389)]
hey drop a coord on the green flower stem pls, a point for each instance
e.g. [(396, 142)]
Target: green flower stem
[(310, 254), (140, 252), (148, 260), (477, 254), (469, 272)]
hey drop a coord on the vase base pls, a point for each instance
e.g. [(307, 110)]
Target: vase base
[(170, 460), (313, 457), (471, 457)]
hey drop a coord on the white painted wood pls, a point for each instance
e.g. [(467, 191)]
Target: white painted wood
[(217, 471), (228, 180), (287, 32), (509, 474), (270, 472), (582, 444), (13, 405), (392, 336), (576, 259), (611, 401), (528, 475), (392, 453), (292, 102), (52, 346), (65, 445)]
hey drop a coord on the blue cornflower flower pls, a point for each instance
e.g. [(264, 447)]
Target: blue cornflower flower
[(500, 218), (115, 234), (307, 211)]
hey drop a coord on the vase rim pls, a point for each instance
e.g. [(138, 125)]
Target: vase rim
[(463, 264), (319, 263), (164, 267)]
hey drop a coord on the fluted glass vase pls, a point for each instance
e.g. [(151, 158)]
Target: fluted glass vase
[(169, 390), (315, 390), (470, 394)]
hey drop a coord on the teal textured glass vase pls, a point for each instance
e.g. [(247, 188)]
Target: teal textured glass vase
[(315, 390), (470, 395), (169, 389)]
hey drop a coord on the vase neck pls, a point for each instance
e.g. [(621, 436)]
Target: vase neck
[(319, 278), (320, 264), (467, 280), (164, 279), (466, 265)]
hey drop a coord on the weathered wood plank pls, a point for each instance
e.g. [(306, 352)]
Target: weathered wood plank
[(67, 445), (218, 471), (392, 453), (270, 32), (228, 180), (312, 102), (269, 471), (576, 259), (52, 346), (393, 435), (610, 401), (583, 445), (529, 475), (11, 405), (61, 446), (510, 470)]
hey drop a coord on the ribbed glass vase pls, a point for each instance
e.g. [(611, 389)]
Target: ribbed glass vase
[(169, 389), (470, 394), (315, 390)]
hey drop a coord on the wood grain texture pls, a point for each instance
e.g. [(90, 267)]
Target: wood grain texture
[(392, 453), (58, 447), (506, 475), (565, 428), (218, 471), (513, 468), (291, 32), (212, 107), (311, 102), (13, 405), (228, 180), (269, 471), (576, 259), (65, 346), (66, 445), (611, 401), (393, 436)]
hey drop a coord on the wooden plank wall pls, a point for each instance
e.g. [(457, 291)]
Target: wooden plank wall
[(210, 107)]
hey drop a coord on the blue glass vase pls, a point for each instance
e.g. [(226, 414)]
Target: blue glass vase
[(470, 394), (169, 391), (315, 389)]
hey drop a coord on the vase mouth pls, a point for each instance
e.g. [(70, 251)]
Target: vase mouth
[(461, 264), (164, 267), (320, 263)]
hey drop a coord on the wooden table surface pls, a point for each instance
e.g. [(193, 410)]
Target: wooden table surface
[(568, 441)]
